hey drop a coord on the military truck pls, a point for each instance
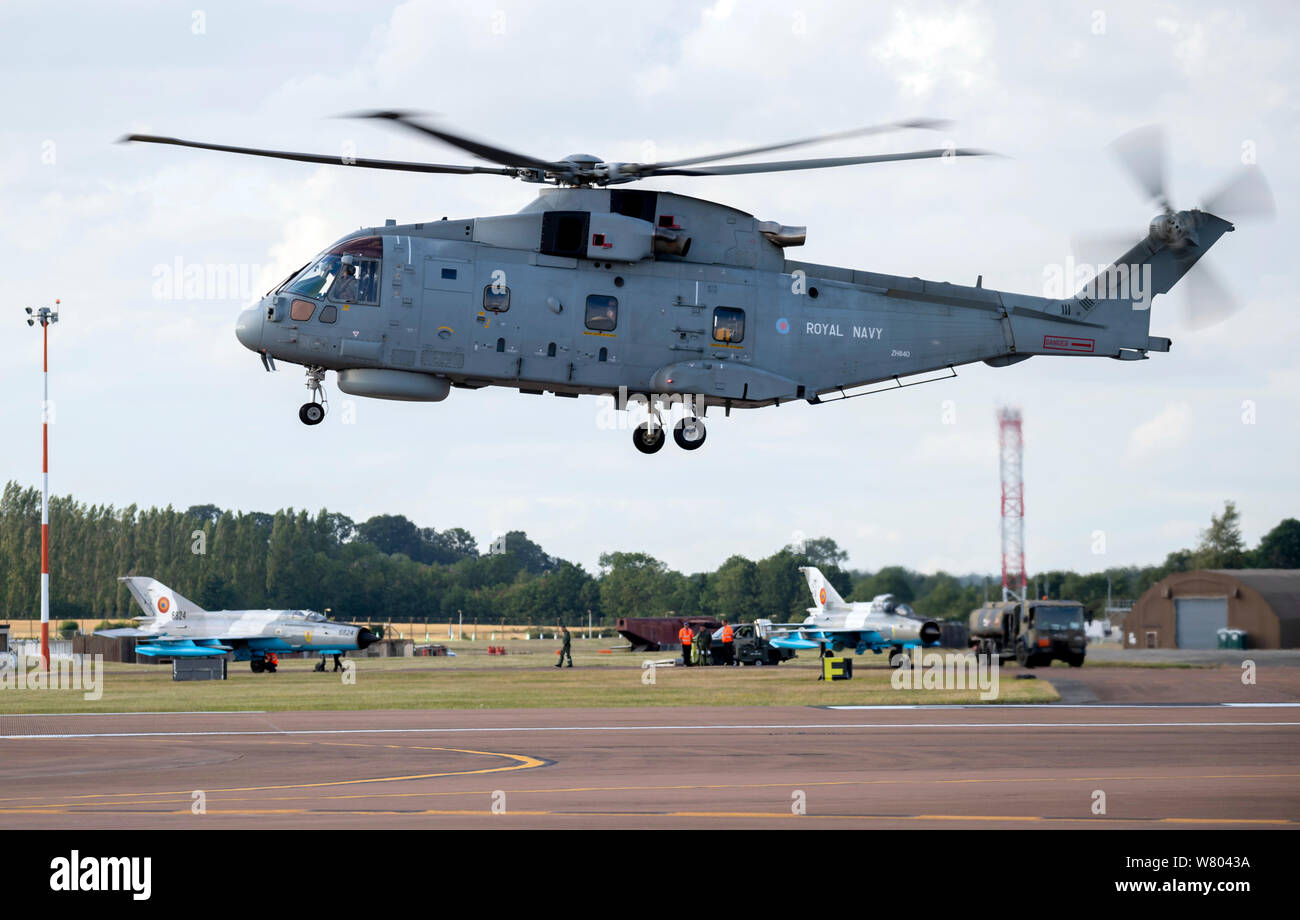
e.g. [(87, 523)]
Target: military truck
[(1033, 632)]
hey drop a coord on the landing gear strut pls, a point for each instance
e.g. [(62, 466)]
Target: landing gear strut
[(313, 413)]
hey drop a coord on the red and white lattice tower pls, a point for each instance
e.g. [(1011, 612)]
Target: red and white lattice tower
[(1011, 449)]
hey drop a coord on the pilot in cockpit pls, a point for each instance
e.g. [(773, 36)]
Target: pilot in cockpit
[(345, 288)]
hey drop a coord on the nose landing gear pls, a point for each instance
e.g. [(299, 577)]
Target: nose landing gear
[(313, 413)]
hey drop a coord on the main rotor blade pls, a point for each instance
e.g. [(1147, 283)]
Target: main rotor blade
[(823, 163), (1246, 194), (927, 123), (1142, 152), (480, 149), (334, 160)]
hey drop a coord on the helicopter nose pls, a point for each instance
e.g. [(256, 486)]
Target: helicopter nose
[(248, 328)]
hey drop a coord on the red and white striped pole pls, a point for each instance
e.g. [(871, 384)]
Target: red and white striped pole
[(45, 316)]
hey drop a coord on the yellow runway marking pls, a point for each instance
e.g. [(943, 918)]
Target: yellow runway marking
[(756, 815), (521, 762)]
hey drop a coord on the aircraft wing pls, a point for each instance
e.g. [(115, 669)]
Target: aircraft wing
[(164, 647), (168, 646)]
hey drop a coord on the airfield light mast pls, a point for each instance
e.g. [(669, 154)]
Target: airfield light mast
[(1011, 452), (45, 316)]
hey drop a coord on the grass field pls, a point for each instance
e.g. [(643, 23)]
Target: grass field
[(475, 680)]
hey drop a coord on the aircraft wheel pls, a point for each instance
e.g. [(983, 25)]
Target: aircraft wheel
[(258, 665), (1076, 661), (648, 438), (689, 433), (311, 413)]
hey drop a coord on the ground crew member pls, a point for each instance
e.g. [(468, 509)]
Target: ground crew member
[(686, 636), (706, 645), (338, 665), (697, 646), (564, 649), (728, 644)]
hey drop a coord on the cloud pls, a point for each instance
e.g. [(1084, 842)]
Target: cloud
[(923, 51), (1170, 428)]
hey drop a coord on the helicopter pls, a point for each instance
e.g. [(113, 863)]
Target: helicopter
[(667, 302)]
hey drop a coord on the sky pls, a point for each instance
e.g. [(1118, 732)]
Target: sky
[(155, 403)]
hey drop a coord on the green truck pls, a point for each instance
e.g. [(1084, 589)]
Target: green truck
[(1033, 632)]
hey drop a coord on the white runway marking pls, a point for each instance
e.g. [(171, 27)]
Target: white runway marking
[(650, 728), (1050, 706), (160, 712)]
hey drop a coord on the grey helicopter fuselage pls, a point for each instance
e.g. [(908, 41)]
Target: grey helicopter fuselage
[(608, 291)]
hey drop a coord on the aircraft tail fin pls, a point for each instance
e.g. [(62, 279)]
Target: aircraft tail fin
[(824, 594), (159, 602), (1121, 293)]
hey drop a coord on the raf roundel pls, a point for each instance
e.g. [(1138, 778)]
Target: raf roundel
[(783, 326), (163, 605), (821, 597)]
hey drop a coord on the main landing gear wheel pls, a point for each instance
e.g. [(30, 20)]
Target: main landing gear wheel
[(258, 665), (689, 433), (649, 437), (311, 413)]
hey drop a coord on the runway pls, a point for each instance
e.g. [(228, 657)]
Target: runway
[(798, 767)]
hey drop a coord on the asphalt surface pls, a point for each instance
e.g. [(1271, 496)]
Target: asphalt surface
[(987, 766)]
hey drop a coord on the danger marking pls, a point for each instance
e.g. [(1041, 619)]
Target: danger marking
[(1066, 343)]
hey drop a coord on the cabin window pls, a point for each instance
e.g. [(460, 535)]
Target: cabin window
[(604, 355), (550, 350), (328, 313), (302, 310), (728, 325), (602, 312), (496, 298), (501, 344)]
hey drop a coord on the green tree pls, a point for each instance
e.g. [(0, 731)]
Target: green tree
[(1221, 546), (1280, 547)]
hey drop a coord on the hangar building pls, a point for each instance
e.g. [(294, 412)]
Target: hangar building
[(1187, 609)]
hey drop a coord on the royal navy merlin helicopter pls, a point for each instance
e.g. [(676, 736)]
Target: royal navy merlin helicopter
[(657, 298)]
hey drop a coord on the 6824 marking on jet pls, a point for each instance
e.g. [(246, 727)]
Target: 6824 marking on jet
[(596, 288)]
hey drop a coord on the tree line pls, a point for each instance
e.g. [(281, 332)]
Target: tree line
[(388, 568)]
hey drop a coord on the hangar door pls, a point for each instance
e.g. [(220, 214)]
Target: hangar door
[(1198, 620)]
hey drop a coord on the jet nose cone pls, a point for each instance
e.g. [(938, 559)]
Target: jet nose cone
[(248, 328), (365, 638)]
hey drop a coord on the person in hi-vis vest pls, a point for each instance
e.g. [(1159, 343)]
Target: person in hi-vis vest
[(727, 653), (686, 636)]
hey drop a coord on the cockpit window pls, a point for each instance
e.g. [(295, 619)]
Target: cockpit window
[(347, 273)]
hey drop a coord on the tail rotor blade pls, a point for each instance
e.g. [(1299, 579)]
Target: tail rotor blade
[(1208, 301), (1142, 153), (1245, 195)]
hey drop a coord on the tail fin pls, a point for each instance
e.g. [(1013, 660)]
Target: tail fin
[(159, 602), (1120, 296), (824, 595)]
